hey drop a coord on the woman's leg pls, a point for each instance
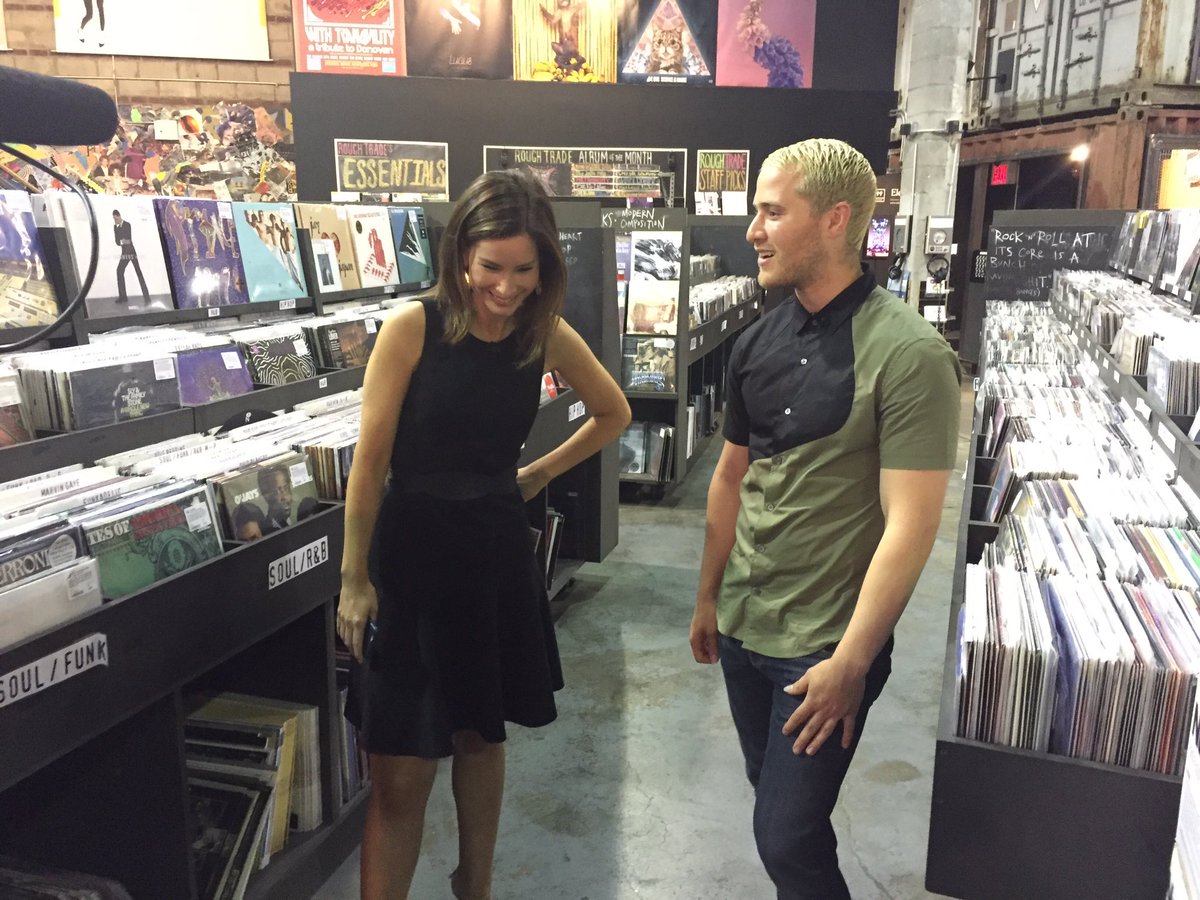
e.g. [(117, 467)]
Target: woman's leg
[(400, 788), (478, 792), (87, 13)]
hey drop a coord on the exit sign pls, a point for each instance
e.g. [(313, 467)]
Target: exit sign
[(1000, 173)]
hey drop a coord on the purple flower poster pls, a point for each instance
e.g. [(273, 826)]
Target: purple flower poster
[(765, 43)]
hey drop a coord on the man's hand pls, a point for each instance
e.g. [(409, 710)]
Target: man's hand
[(832, 694), (703, 633)]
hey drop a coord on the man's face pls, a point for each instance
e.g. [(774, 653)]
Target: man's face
[(249, 531), (278, 494), (785, 232)]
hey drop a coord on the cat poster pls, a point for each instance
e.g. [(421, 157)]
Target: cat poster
[(564, 40), (668, 42), (459, 38), (765, 43)]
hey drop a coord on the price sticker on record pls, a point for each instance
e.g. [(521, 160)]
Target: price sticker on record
[(287, 304), (214, 311)]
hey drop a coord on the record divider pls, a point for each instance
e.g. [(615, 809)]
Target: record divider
[(74, 749), (1017, 823)]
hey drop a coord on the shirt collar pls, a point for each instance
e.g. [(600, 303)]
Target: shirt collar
[(837, 310)]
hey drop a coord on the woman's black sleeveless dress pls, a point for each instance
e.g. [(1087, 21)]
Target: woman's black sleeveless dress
[(464, 638)]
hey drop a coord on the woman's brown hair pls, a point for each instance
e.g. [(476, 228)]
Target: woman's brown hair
[(500, 205)]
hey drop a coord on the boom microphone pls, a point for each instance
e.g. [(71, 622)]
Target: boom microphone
[(42, 109)]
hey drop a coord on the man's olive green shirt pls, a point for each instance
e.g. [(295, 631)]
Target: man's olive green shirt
[(823, 402)]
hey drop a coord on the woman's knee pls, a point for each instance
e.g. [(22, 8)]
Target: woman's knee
[(471, 743), (401, 784)]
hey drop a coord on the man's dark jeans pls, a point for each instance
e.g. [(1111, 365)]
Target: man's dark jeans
[(794, 794)]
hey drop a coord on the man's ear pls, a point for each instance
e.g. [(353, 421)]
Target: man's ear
[(837, 219)]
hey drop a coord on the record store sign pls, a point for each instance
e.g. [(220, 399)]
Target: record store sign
[(392, 167), (298, 562), (53, 668)]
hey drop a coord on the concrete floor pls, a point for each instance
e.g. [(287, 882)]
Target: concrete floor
[(638, 791)]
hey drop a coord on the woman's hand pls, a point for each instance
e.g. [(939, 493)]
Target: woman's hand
[(532, 480), (358, 605)]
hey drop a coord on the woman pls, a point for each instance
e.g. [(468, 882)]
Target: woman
[(462, 639)]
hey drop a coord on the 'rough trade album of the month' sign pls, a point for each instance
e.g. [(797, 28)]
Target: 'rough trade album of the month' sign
[(53, 668), (392, 167), (593, 171)]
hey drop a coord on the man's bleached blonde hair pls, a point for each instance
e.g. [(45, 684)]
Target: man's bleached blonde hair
[(831, 171)]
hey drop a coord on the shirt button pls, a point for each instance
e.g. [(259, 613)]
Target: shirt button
[(788, 411), (804, 362), (761, 548), (757, 592), (770, 507), (779, 460)]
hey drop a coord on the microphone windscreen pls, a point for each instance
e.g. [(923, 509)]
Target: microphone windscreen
[(42, 109)]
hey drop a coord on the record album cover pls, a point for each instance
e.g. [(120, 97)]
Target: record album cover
[(212, 373), (374, 253), (132, 390), (270, 254), (280, 360), (414, 254), (26, 294), (350, 343), (668, 41), (131, 270), (202, 248), (262, 499), (153, 542), (325, 221)]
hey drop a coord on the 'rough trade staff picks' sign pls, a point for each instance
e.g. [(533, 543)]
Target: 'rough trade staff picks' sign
[(395, 167)]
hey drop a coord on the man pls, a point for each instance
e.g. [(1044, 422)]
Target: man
[(123, 235), (275, 487), (840, 433)]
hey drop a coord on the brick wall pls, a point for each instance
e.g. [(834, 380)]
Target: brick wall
[(154, 80)]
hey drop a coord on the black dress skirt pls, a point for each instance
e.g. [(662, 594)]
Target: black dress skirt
[(464, 638)]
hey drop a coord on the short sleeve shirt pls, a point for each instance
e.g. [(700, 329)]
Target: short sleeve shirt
[(823, 402)]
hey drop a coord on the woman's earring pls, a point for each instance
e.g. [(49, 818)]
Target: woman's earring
[(538, 290), (467, 278)]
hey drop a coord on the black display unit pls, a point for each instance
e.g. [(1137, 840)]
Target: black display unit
[(1016, 823), (93, 772)]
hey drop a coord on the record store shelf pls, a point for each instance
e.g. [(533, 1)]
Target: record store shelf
[(90, 444), (93, 772), (711, 335), (1010, 823), (197, 314)]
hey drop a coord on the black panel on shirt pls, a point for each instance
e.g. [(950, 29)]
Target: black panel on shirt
[(791, 375)]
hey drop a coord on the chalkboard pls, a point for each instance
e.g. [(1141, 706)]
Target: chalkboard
[(1022, 259), (583, 249)]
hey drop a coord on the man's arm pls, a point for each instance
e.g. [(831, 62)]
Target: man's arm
[(724, 501), (912, 508)]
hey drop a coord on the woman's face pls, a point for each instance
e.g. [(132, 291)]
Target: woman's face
[(502, 273)]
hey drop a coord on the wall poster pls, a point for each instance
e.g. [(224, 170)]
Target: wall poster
[(349, 37), (3, 33), (765, 43), (189, 29), (564, 40), (459, 38), (595, 171), (392, 167), (668, 41)]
